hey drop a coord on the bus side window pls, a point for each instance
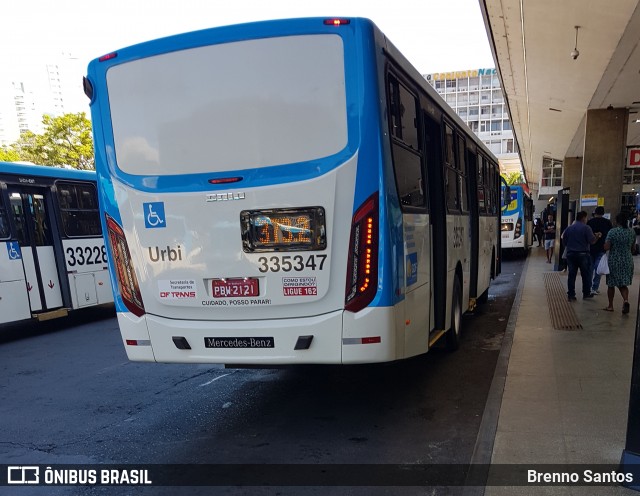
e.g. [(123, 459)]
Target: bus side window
[(462, 174), (79, 209), (19, 219), (395, 127), (404, 145), (450, 172), (408, 118), (4, 221), (481, 187)]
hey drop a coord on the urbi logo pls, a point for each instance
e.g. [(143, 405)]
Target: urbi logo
[(154, 215)]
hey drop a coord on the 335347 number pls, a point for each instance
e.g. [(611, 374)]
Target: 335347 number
[(287, 263)]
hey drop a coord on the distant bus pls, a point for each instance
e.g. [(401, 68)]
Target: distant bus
[(517, 220), (288, 191), (53, 259)]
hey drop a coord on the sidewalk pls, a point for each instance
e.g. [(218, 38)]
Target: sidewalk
[(566, 392)]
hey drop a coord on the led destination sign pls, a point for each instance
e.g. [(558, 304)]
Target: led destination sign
[(291, 229)]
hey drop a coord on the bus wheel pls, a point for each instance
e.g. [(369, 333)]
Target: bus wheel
[(453, 334)]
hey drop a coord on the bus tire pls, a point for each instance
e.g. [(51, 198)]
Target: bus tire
[(452, 338)]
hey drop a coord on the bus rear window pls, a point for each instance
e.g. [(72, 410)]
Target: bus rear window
[(231, 106), (79, 209)]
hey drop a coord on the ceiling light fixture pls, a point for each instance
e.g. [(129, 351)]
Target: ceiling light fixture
[(575, 53)]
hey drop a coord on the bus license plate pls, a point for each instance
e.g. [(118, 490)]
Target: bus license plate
[(235, 288)]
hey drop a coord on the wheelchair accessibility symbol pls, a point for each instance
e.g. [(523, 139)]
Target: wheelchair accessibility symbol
[(14, 250), (154, 215)]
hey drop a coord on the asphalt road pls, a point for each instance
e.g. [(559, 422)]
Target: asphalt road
[(70, 396)]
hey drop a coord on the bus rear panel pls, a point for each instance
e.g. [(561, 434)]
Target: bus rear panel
[(250, 200)]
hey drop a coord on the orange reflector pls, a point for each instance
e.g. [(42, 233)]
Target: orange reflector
[(371, 340)]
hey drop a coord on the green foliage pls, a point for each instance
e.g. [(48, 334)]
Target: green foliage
[(9, 155), (66, 140), (513, 178)]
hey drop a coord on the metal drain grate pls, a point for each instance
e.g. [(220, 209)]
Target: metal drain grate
[(562, 315)]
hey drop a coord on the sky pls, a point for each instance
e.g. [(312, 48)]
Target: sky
[(434, 35)]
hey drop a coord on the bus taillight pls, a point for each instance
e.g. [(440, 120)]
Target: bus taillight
[(127, 281), (362, 270), (518, 231)]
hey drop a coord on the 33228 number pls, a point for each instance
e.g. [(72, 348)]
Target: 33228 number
[(288, 263), (88, 255)]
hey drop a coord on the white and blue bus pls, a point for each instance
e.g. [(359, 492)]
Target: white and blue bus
[(287, 191), (517, 219), (54, 258)]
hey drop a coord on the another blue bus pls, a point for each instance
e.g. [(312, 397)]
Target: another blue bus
[(288, 191), (517, 220), (52, 254)]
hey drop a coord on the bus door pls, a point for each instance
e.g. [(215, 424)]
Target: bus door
[(14, 302), (34, 233)]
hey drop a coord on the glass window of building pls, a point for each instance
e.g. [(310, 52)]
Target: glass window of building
[(463, 84), (473, 125), (495, 81), (551, 172), (474, 83), (496, 111), (485, 82), (462, 112), (506, 125), (485, 97), (439, 85), (474, 97), (450, 98), (631, 176), (473, 112), (484, 126), (509, 146), (451, 84), (496, 125), (485, 110), (497, 96)]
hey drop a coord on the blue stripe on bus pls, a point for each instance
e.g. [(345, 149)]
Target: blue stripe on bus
[(46, 171)]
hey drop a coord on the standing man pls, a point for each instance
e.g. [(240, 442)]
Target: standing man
[(577, 238), (549, 236), (598, 224)]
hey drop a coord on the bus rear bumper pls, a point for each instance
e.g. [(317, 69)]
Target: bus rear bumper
[(338, 337)]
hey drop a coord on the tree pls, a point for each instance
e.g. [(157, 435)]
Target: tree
[(513, 178), (66, 140), (9, 155)]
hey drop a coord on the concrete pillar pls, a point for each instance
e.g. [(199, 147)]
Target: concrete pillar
[(572, 176), (604, 156)]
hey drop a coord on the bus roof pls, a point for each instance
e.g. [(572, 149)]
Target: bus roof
[(46, 171), (230, 33)]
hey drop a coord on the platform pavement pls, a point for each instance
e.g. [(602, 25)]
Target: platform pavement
[(566, 393)]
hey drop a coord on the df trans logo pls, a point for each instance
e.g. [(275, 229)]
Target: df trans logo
[(23, 474)]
